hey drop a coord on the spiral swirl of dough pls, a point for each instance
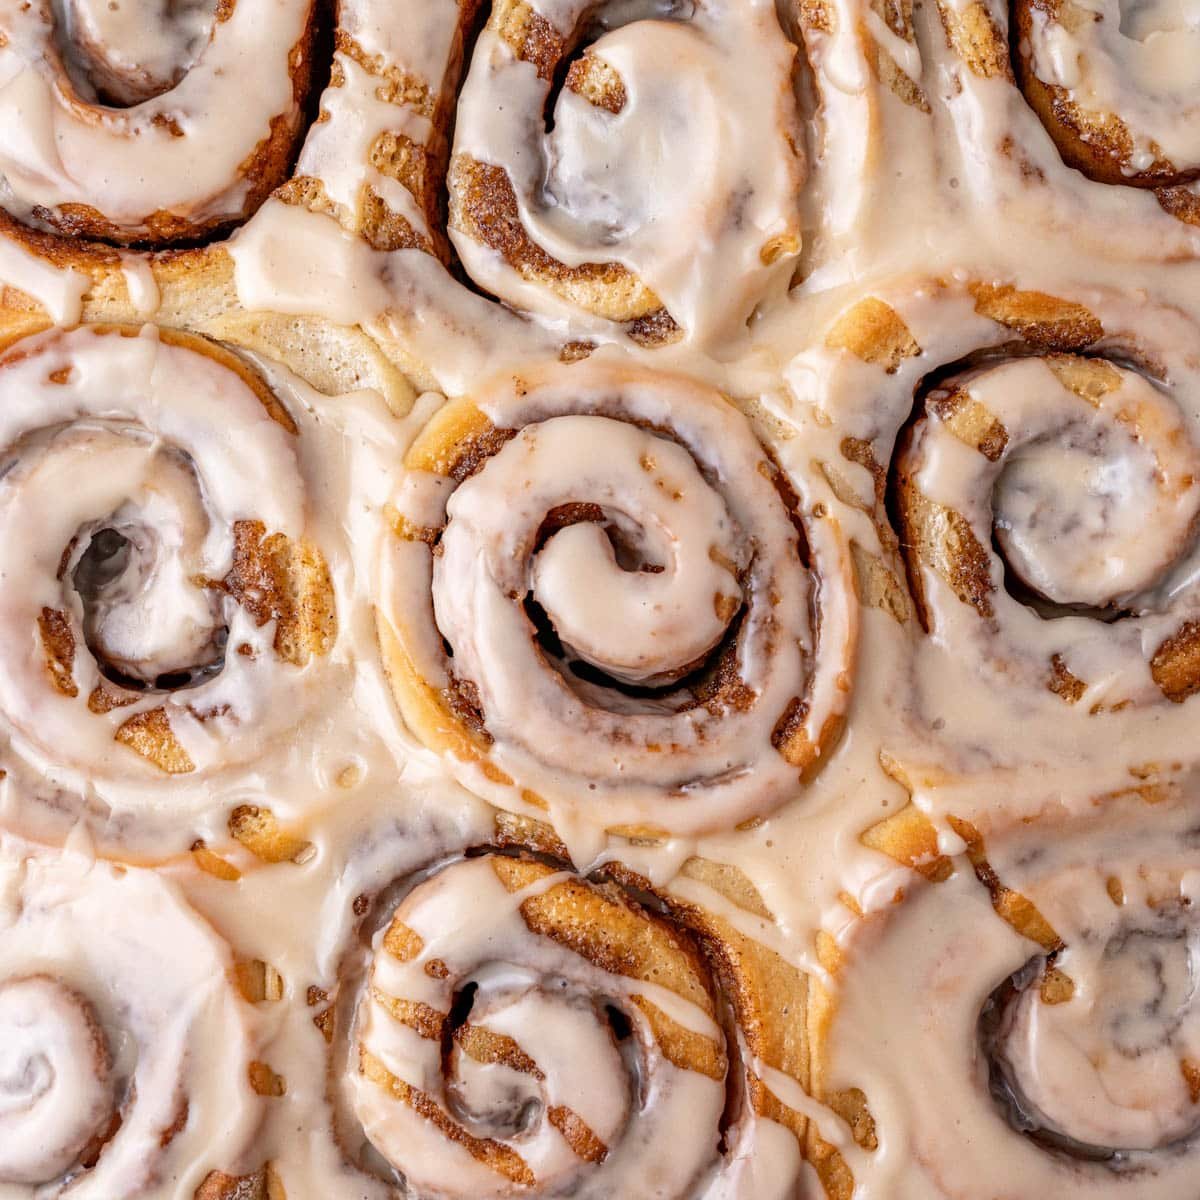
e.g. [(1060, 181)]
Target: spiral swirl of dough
[(1069, 462), (523, 1032), (161, 602), (55, 1069), (125, 1052), (665, 202), (1028, 463), (1042, 1028), (1086, 113), (127, 125), (700, 674)]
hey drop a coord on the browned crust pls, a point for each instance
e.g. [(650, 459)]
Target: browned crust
[(150, 735), (276, 579), (1098, 144), (263, 1184), (1175, 666), (260, 832)]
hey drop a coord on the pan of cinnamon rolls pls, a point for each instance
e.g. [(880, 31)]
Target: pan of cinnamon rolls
[(599, 599)]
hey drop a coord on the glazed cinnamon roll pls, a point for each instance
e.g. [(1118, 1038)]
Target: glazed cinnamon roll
[(125, 124), (1025, 492), (1042, 500), (1119, 95), (701, 673), (127, 1059), (166, 611), (1047, 88), (340, 162), (515, 1029), (1040, 1026), (575, 186)]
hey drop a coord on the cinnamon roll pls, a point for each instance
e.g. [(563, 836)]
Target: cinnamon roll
[(126, 125), (548, 216), (701, 674), (1040, 1026), (516, 1029), (987, 481), (1048, 88), (340, 163), (165, 611), (127, 1059), (1044, 494), (1120, 96)]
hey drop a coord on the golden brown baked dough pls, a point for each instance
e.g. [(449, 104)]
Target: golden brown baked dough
[(638, 597)]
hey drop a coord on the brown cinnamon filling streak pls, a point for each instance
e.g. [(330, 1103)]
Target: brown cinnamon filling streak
[(1029, 525), (617, 924)]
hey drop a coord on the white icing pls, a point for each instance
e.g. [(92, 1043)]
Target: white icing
[(154, 978), (550, 1001), (128, 163)]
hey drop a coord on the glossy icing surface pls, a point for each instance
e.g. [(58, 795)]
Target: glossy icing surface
[(721, 448)]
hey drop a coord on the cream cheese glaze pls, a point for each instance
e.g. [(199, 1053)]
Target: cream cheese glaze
[(969, 929)]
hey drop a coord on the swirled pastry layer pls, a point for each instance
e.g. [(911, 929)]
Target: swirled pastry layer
[(603, 598)]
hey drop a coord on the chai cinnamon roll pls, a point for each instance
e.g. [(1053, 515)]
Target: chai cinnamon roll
[(701, 674), (1120, 95), (1026, 492), (126, 1056), (354, 172), (1038, 1027), (586, 179), (127, 124), (166, 609), (1044, 499)]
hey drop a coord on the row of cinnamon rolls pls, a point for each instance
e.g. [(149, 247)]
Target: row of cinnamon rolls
[(603, 596), (1020, 1010), (698, 681), (129, 133)]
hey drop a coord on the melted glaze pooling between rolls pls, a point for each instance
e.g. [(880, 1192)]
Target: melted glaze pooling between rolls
[(800, 520)]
